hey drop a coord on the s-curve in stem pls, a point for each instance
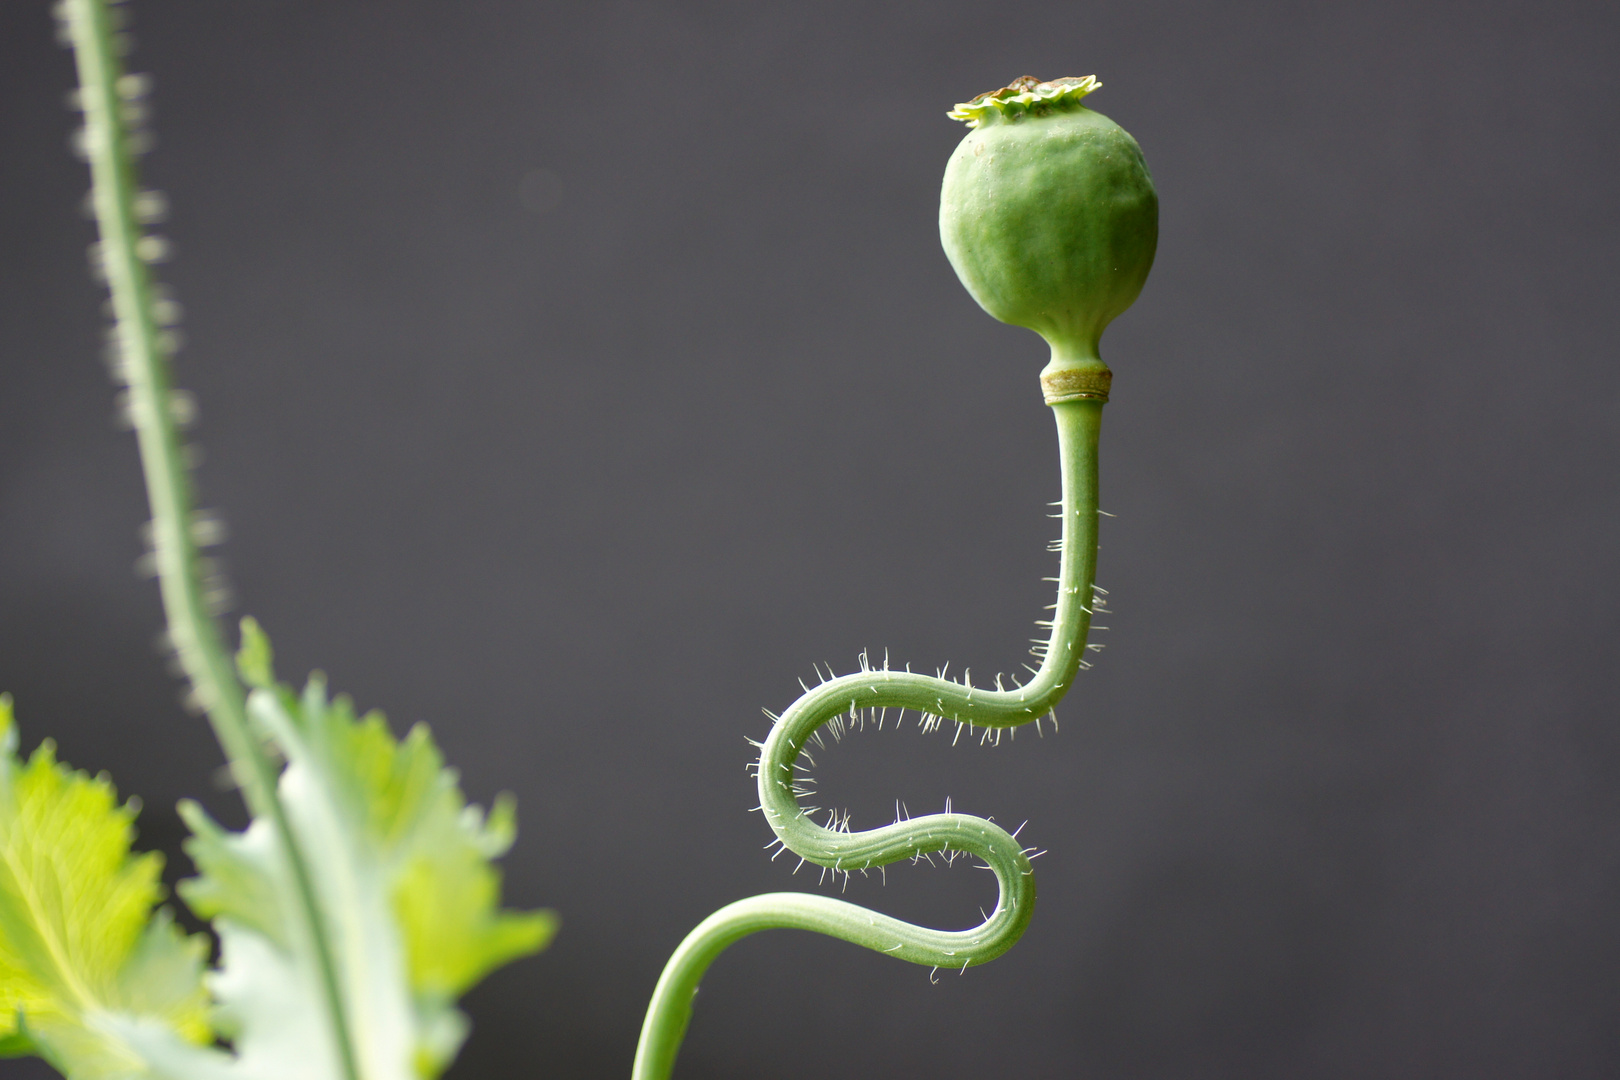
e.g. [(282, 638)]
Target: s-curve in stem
[(1079, 417)]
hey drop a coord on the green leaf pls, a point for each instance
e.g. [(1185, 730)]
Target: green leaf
[(254, 658), (83, 959), (402, 873)]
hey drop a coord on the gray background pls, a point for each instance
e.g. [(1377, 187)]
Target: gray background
[(584, 469)]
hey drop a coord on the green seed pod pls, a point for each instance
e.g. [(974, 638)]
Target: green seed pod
[(1050, 219)]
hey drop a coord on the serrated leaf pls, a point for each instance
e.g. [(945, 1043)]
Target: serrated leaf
[(448, 904), (83, 957), (402, 874)]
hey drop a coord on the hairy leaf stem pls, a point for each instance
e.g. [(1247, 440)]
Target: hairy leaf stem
[(108, 97), (670, 1011)]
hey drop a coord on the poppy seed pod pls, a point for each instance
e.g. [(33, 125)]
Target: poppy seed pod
[(1049, 217)]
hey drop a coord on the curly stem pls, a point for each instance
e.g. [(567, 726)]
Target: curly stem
[(670, 1011), (106, 94)]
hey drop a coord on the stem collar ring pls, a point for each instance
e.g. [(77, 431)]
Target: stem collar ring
[(1076, 385)]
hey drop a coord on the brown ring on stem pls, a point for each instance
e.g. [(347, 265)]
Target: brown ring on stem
[(1060, 386)]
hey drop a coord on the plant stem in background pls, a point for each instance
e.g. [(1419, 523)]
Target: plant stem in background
[(109, 98)]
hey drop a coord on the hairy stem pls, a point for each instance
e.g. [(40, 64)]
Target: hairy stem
[(670, 1010), (106, 95)]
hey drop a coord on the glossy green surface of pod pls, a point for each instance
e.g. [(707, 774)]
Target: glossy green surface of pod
[(1048, 213)]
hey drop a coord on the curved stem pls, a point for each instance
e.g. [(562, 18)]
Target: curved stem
[(670, 1010), (105, 95)]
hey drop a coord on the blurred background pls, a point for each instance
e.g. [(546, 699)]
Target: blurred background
[(574, 377)]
